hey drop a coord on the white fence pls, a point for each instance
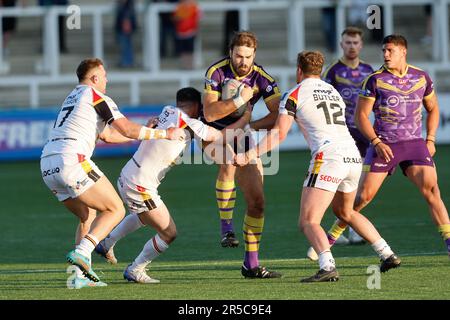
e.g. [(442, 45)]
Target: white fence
[(295, 14)]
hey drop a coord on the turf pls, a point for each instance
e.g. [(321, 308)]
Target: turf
[(37, 232)]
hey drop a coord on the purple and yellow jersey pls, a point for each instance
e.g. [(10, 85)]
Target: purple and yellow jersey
[(262, 83), (398, 102), (348, 82)]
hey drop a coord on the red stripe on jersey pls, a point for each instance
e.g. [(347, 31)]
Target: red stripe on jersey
[(182, 124), (140, 189), (81, 157), (294, 94), (155, 245), (96, 98)]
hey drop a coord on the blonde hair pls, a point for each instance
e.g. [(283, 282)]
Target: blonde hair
[(311, 62)]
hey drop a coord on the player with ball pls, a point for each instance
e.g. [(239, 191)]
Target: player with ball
[(230, 84)]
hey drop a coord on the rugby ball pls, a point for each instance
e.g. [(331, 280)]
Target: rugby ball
[(229, 91)]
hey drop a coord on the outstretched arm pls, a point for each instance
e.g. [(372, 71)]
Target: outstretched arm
[(133, 130)]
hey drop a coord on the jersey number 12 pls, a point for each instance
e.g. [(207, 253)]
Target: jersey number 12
[(336, 114)]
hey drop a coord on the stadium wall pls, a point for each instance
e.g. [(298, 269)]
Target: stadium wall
[(24, 133)]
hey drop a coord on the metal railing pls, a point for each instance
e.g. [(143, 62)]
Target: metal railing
[(295, 26)]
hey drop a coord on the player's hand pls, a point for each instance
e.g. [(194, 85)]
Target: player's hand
[(431, 147), (384, 151), (152, 122), (245, 92), (176, 134), (240, 160)]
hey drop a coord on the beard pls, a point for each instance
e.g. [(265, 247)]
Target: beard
[(241, 69)]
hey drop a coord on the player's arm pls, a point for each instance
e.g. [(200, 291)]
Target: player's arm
[(362, 121), (275, 136), (269, 120), (432, 107), (214, 109), (111, 135), (133, 130)]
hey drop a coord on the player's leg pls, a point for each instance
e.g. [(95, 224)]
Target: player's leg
[(165, 227), (370, 183), (102, 197), (250, 180), (313, 204), (343, 208), (425, 178), (226, 198), (87, 216)]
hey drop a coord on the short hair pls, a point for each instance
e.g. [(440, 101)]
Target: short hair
[(396, 39), (189, 94), (87, 65), (352, 31), (244, 38), (311, 62)]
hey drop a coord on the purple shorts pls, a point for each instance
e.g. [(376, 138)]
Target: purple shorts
[(406, 153), (361, 142)]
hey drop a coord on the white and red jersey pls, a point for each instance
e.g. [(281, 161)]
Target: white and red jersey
[(154, 158), (83, 116), (319, 110)]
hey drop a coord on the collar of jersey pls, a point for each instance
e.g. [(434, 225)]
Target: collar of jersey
[(345, 64), (395, 73)]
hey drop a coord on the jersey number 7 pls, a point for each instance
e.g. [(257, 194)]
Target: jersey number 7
[(69, 110)]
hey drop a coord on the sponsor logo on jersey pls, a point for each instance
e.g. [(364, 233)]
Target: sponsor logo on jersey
[(352, 160), (331, 179), (393, 101), (381, 165), (49, 172), (403, 81), (346, 93), (269, 88)]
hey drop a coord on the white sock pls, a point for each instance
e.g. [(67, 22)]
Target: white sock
[(326, 261), (152, 249), (382, 249), (87, 245), (128, 225)]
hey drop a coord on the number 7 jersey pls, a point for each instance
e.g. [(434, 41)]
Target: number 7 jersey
[(319, 110), (84, 114)]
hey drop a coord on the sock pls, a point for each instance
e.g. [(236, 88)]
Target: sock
[(253, 228), (335, 232), (326, 260), (444, 230), (152, 249), (128, 225), (87, 245), (382, 249), (226, 198)]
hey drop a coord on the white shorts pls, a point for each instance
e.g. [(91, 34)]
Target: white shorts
[(69, 175), (137, 198), (336, 168)]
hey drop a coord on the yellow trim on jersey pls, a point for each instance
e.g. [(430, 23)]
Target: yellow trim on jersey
[(418, 110), (370, 76), (263, 73), (381, 84), (236, 76), (213, 68), (327, 70), (348, 81), (86, 166), (275, 95), (429, 96), (346, 64), (97, 102), (370, 98), (395, 73), (388, 110)]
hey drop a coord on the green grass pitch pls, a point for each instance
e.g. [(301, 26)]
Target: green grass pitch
[(37, 232)]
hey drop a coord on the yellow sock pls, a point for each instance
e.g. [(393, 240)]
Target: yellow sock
[(226, 198), (444, 230), (336, 230)]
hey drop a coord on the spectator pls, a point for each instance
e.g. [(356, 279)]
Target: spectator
[(166, 31), (186, 17), (125, 27)]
